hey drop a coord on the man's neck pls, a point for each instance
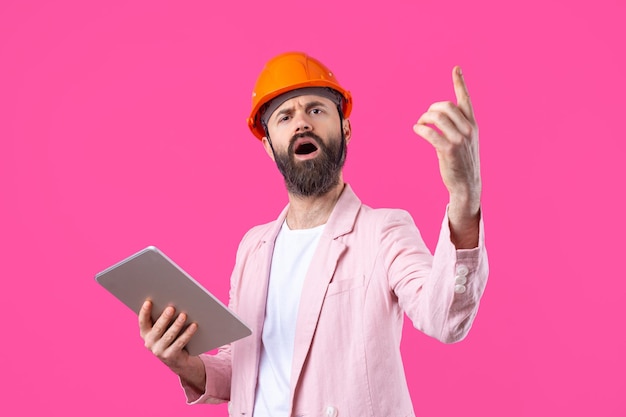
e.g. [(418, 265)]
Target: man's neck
[(309, 212)]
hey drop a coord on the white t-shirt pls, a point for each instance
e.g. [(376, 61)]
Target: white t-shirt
[(293, 252)]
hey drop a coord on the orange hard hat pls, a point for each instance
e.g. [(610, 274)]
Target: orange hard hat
[(287, 72)]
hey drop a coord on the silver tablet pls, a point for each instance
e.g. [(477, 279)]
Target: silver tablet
[(151, 274)]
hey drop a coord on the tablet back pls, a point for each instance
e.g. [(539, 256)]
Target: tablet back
[(151, 274)]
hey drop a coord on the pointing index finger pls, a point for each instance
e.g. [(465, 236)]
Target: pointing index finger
[(462, 94)]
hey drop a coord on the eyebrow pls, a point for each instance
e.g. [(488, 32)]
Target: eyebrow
[(307, 106)]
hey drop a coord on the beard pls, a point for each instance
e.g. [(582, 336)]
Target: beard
[(312, 177)]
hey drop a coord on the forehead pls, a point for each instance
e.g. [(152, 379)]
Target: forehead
[(303, 101)]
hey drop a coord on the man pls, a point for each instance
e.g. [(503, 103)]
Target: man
[(325, 287)]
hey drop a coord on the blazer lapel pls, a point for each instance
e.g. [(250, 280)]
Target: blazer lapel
[(318, 277)]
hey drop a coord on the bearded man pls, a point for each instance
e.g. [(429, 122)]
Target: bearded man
[(326, 285)]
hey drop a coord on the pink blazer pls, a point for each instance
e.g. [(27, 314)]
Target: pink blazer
[(371, 268)]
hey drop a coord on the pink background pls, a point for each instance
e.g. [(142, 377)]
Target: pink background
[(122, 124)]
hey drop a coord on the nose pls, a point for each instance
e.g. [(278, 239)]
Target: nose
[(302, 122)]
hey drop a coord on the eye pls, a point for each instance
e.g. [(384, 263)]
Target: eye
[(283, 119), (316, 111)]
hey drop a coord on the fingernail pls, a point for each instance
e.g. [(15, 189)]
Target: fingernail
[(459, 71)]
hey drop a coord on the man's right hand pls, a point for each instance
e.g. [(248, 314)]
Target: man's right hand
[(167, 343)]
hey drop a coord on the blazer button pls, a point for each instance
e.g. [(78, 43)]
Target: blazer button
[(462, 270), (330, 412), (460, 280)]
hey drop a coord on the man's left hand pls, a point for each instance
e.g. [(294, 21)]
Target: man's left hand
[(452, 130)]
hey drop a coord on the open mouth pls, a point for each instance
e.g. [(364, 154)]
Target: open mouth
[(305, 146), (305, 149)]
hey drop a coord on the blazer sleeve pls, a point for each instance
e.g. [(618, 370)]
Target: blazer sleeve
[(440, 293), (217, 387)]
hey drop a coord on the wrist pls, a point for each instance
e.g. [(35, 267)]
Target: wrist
[(464, 221), (464, 206), (192, 373)]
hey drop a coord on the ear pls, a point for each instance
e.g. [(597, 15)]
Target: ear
[(347, 130), (268, 147)]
